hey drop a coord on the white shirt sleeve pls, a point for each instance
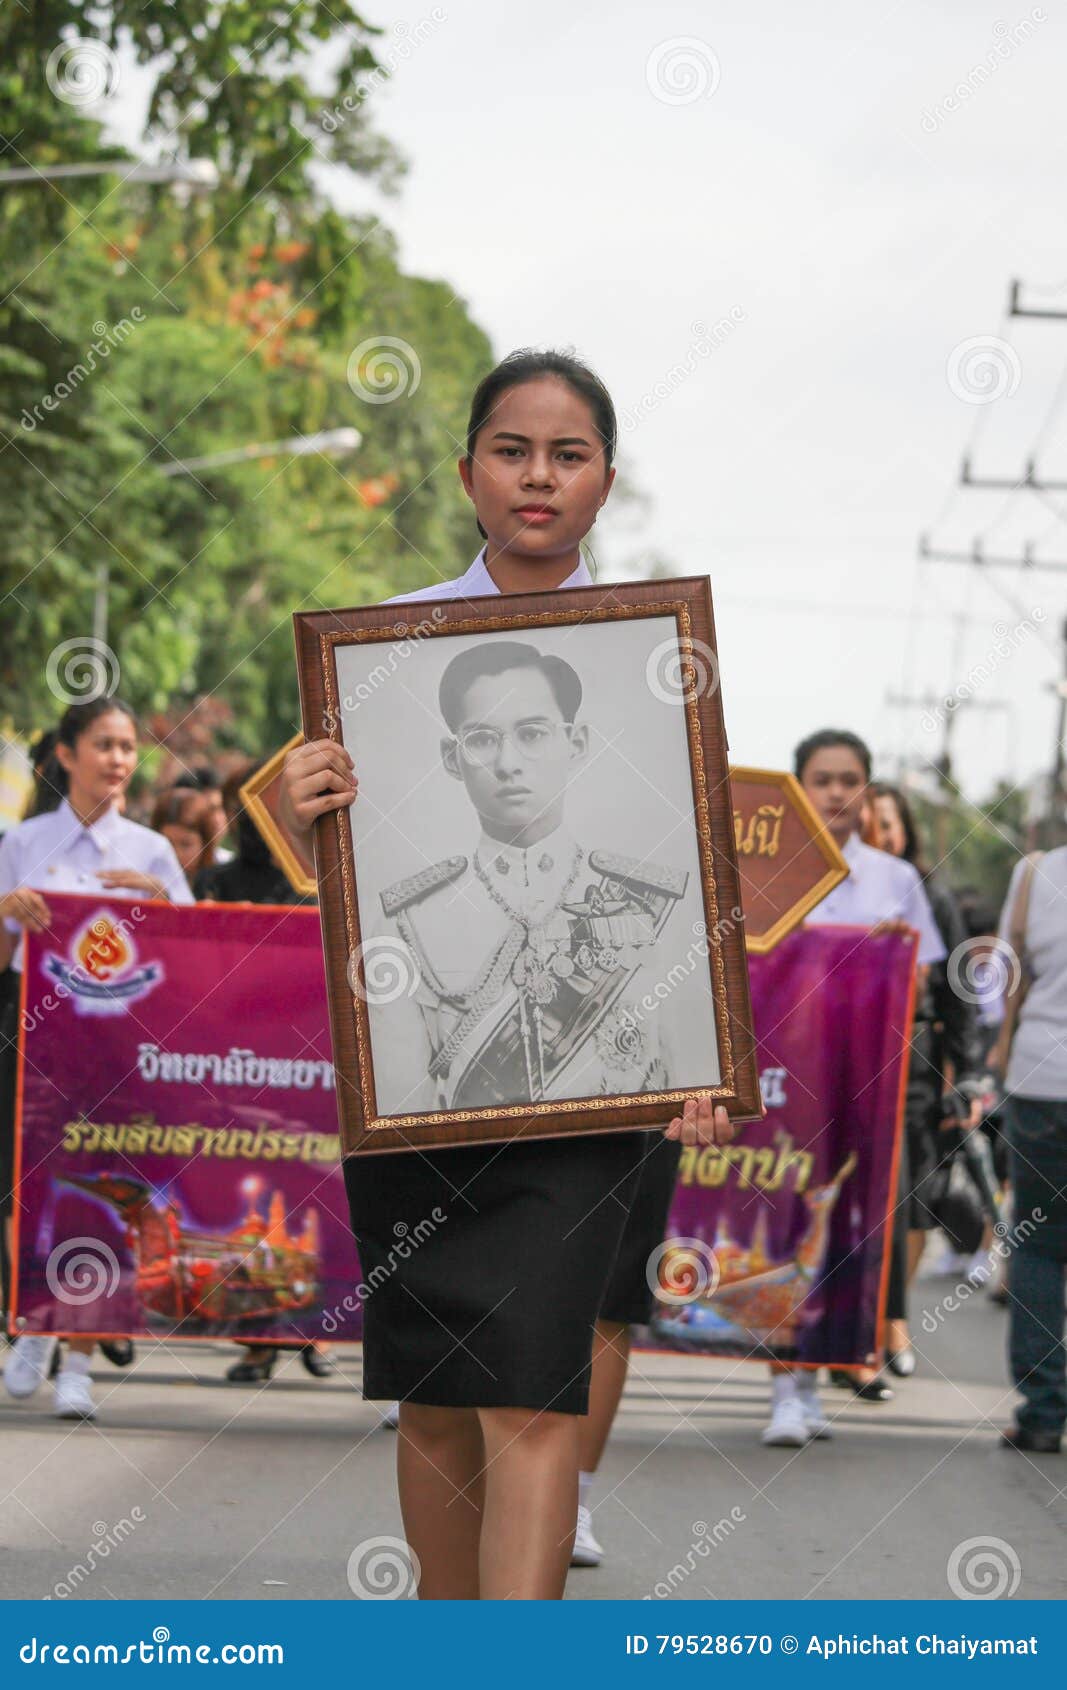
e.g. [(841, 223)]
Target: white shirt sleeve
[(9, 873), (917, 913)]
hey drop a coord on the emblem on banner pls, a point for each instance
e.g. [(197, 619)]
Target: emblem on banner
[(100, 970)]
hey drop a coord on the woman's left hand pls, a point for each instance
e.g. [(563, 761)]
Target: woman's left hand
[(130, 880), (700, 1123)]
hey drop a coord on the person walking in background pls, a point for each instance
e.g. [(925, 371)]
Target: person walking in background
[(206, 782), (882, 893), (1033, 1057), (185, 819), (945, 1064), (85, 845), (249, 875)]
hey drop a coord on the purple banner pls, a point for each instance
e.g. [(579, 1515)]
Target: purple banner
[(777, 1246), (178, 1158)]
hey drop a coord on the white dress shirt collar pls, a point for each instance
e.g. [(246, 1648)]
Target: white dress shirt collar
[(102, 833), (478, 582)]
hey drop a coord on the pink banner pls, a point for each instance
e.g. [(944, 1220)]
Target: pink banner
[(777, 1246), (178, 1157), (178, 1167)]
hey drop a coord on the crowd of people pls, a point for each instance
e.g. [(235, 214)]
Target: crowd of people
[(986, 1104)]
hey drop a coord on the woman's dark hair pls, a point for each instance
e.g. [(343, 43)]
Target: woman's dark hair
[(497, 657), (49, 777), (527, 364), (913, 850), (825, 740), (77, 717)]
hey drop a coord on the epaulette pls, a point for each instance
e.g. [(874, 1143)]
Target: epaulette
[(416, 886), (640, 873)]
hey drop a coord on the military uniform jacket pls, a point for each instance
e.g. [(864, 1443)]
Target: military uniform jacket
[(529, 973)]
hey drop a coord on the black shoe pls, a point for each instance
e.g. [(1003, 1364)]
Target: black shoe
[(1038, 1443), (255, 1369), (319, 1366), (874, 1390), (119, 1351), (901, 1362)]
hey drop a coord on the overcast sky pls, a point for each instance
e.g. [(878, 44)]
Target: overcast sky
[(846, 191)]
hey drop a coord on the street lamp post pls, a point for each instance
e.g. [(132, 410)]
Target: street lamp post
[(194, 172)]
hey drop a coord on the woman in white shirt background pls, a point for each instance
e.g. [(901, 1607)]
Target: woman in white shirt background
[(882, 893), (85, 845)]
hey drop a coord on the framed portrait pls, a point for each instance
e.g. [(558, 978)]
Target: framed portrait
[(531, 914), (259, 795)]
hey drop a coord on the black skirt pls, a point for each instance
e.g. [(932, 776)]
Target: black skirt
[(629, 1299), (485, 1268)]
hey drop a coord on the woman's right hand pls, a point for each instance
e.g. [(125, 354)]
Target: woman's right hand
[(27, 907), (317, 777)]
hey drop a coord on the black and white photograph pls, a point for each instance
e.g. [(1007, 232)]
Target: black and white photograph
[(528, 871)]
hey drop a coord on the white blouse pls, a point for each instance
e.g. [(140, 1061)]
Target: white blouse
[(57, 853)]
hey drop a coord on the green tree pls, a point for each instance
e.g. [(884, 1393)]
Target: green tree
[(142, 325)]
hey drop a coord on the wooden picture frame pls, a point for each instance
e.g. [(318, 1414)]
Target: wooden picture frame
[(260, 795), (561, 986)]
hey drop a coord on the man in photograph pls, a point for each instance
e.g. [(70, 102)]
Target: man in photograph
[(536, 960)]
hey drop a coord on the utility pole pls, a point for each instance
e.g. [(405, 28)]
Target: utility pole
[(947, 707), (1057, 806)]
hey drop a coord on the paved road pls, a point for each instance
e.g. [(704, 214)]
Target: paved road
[(195, 1488)]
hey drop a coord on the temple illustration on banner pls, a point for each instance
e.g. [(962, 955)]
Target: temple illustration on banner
[(208, 1282), (751, 1304)]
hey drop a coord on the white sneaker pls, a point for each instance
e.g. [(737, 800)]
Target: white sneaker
[(27, 1366), (949, 1264), (788, 1428), (587, 1551), (979, 1269), (73, 1399), (815, 1422)]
